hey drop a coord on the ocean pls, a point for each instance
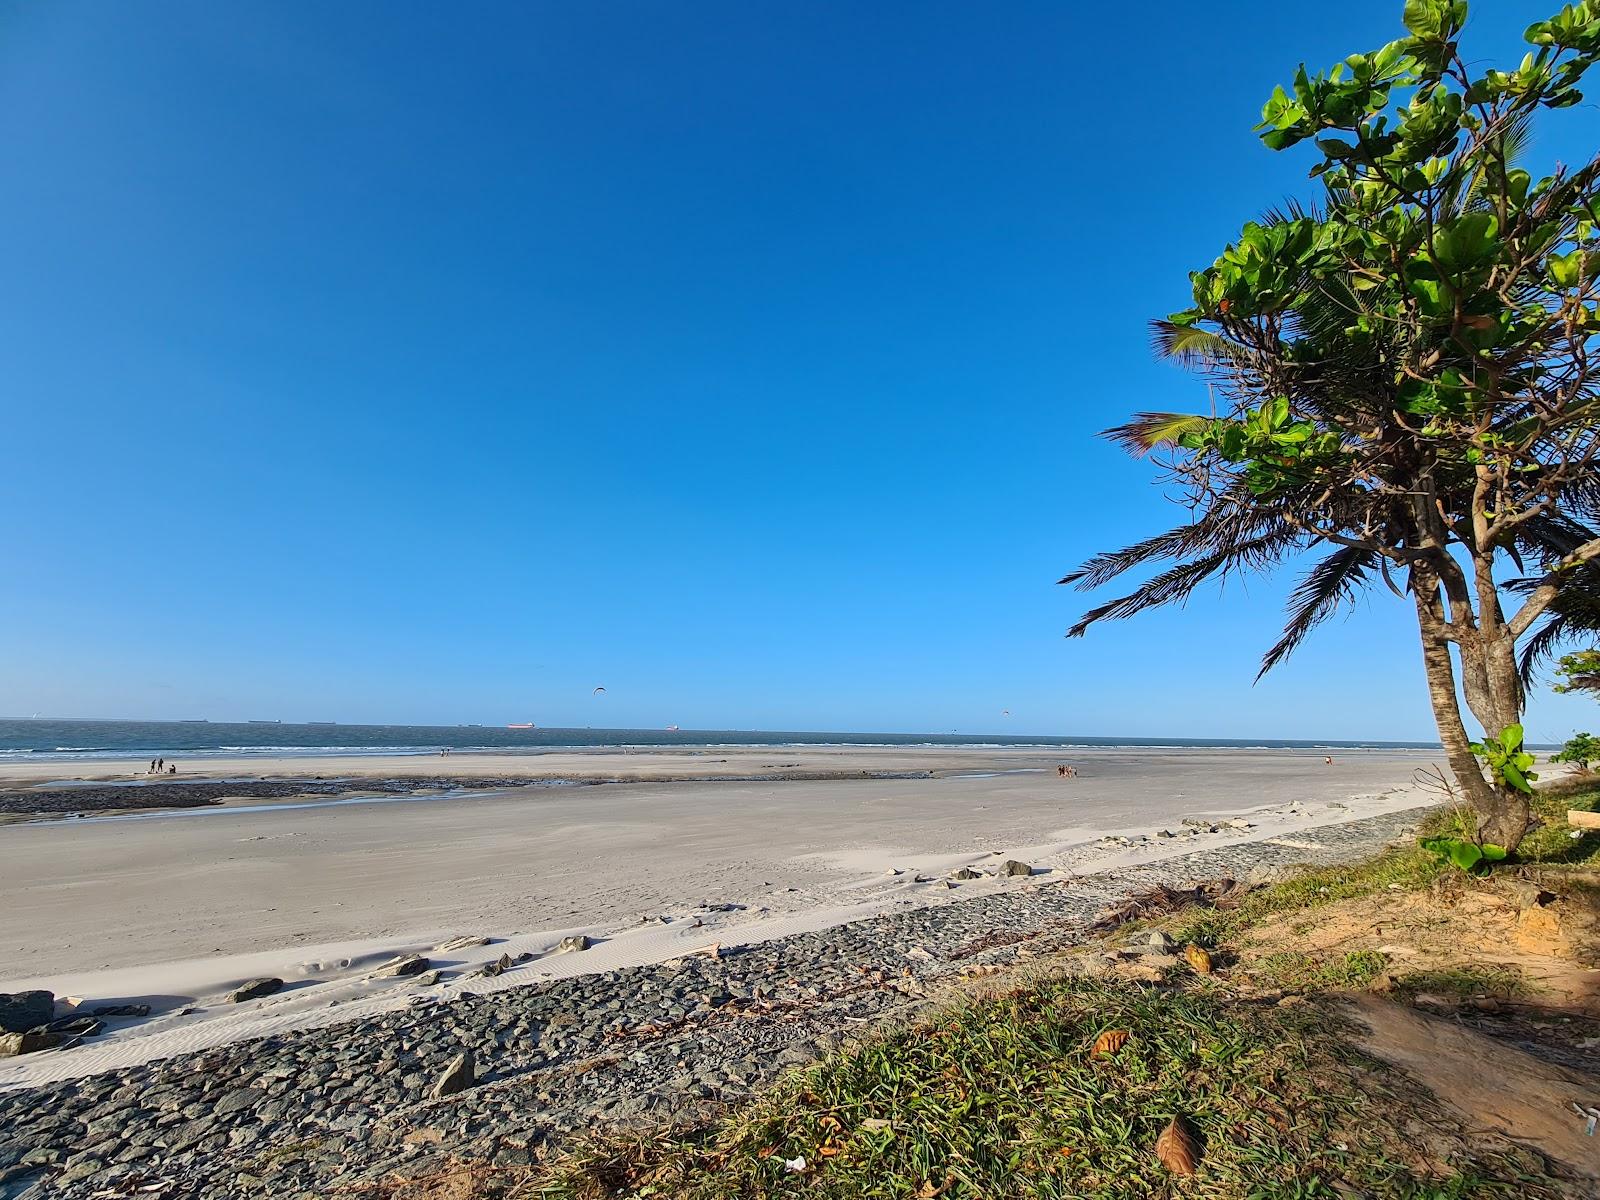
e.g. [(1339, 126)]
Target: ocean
[(45, 739)]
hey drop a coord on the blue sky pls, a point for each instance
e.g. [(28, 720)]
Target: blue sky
[(403, 362)]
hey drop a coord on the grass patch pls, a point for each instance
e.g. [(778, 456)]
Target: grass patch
[(1003, 1097), (1461, 982), (1404, 867), (1296, 971), (1548, 846)]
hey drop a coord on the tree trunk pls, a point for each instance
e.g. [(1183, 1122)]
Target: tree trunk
[(1502, 812)]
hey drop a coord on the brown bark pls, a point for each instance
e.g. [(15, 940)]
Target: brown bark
[(1502, 812)]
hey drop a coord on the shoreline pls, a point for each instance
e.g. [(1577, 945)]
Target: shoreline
[(205, 899), (350, 1101), (642, 763)]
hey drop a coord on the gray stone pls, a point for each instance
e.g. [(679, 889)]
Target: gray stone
[(12, 1044), (122, 1010), (405, 964), (1012, 867), (460, 943), (965, 873), (254, 990), (457, 1077), (576, 941), (1158, 940), (236, 1101), (21, 1011), (82, 1168), (84, 1026)]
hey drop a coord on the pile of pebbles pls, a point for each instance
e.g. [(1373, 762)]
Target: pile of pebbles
[(499, 1076)]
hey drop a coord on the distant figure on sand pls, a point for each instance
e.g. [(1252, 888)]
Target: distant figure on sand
[(1067, 772), (160, 765), (173, 769), (1329, 760), (152, 769)]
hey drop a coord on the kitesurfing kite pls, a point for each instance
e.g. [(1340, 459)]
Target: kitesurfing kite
[(597, 691)]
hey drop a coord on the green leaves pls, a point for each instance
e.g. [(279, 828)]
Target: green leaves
[(1579, 672), (1435, 20), (1262, 271), (1469, 856), (1508, 762), (1580, 750), (1466, 243), (1576, 27), (1573, 268), (1276, 451)]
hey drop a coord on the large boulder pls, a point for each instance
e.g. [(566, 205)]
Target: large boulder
[(405, 964), (12, 1044), (254, 990), (21, 1011), (458, 1077)]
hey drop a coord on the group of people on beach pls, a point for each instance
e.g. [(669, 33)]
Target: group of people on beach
[(159, 766)]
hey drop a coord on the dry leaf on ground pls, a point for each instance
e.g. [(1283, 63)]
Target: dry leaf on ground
[(1109, 1042), (1177, 1149)]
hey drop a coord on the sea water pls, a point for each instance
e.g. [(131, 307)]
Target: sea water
[(47, 739)]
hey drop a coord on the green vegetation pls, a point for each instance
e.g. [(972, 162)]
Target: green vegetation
[(1548, 846), (1005, 1097), (1581, 749), (1469, 856), (1464, 982), (1580, 671), (1022, 1094), (1310, 973), (1404, 376), (1507, 761)]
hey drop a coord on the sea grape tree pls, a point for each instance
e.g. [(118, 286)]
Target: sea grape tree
[(1403, 374)]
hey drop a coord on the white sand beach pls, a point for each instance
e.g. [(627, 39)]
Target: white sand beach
[(174, 908)]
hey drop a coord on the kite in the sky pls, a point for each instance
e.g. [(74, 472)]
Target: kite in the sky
[(597, 691)]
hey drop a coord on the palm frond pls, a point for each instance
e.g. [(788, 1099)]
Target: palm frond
[(1292, 209), (1192, 346), (1149, 430), (1176, 583), (1332, 582), (1218, 529), (1542, 645)]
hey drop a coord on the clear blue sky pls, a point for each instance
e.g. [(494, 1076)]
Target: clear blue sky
[(404, 362)]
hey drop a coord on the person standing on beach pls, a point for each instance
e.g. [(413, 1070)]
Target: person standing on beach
[(152, 769)]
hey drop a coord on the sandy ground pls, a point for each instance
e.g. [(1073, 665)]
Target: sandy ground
[(175, 908)]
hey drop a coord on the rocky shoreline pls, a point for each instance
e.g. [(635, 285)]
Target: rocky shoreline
[(199, 793), (297, 1114)]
